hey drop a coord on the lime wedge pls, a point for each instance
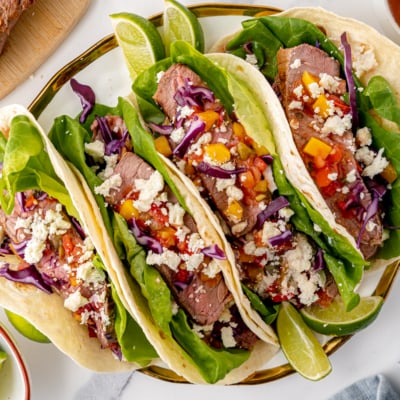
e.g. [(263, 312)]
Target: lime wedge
[(3, 358), (301, 348), (181, 24), (140, 41), (335, 320), (25, 328)]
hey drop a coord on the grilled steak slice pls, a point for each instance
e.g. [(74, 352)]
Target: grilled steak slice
[(202, 297), (347, 195), (10, 12), (176, 77)]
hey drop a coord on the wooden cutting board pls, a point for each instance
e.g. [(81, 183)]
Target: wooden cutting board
[(36, 35)]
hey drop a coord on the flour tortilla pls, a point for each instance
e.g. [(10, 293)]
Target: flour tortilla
[(46, 312), (359, 35)]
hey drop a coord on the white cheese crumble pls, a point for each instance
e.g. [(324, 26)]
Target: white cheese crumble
[(295, 105), (167, 257), (295, 64), (227, 337), (252, 59), (363, 59), (148, 190), (113, 182), (95, 149), (75, 301), (337, 125), (351, 176), (377, 166), (177, 135), (364, 137), (328, 82), (175, 214), (40, 228)]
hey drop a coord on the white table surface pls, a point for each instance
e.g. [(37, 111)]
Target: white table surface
[(54, 376)]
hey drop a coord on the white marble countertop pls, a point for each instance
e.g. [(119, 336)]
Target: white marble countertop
[(54, 376)]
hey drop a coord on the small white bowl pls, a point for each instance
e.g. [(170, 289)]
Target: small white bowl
[(385, 17), (14, 376)]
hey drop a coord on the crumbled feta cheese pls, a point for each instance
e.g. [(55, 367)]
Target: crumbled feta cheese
[(252, 59), (377, 166), (351, 176), (364, 137), (212, 269), (365, 155), (111, 162), (328, 82), (270, 230), (298, 91), (160, 75), (95, 149), (286, 213), (167, 257), (228, 340), (222, 184), (113, 182), (192, 261), (234, 193), (195, 242), (295, 64), (337, 125), (363, 59), (333, 176), (239, 227), (315, 90), (175, 214), (75, 301), (177, 135), (295, 105), (184, 112), (148, 190)]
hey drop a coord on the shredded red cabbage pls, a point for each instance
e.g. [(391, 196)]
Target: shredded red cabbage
[(319, 262), (218, 172), (267, 158), (161, 129), (20, 198), (19, 248), (197, 126), (214, 251), (370, 213), (145, 240), (116, 145), (280, 239), (27, 275), (271, 209), (105, 130), (189, 95), (78, 227), (87, 97), (350, 80)]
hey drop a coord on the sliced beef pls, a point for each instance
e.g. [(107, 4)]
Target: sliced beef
[(204, 299), (10, 12), (174, 78), (292, 62), (170, 82)]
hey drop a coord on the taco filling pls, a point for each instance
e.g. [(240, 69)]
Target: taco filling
[(344, 167), (39, 235), (138, 193), (234, 173)]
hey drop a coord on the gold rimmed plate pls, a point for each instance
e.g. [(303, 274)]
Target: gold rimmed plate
[(102, 67)]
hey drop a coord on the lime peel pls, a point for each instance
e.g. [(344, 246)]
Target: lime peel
[(301, 348), (335, 320), (139, 40), (181, 24), (25, 328)]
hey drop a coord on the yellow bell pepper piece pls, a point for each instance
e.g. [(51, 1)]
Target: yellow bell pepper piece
[(234, 211), (308, 81), (162, 146), (218, 152), (317, 148), (321, 106), (238, 130), (128, 210), (209, 117), (244, 151)]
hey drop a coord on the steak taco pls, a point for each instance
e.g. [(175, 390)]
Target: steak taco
[(337, 137), (175, 273), (210, 122), (54, 270)]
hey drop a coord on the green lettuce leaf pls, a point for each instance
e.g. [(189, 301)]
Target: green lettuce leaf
[(26, 165), (213, 364)]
